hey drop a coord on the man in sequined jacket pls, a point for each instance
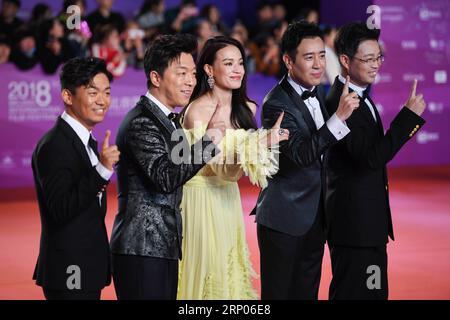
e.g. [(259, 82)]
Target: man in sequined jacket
[(146, 237)]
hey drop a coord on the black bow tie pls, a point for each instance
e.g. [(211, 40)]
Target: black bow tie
[(309, 94), (365, 93), (173, 116)]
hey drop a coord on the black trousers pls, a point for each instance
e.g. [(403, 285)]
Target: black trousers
[(144, 278), (71, 295), (291, 266), (358, 273)]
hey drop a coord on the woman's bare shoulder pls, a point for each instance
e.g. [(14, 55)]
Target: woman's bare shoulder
[(198, 112)]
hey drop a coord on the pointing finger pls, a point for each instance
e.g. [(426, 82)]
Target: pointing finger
[(412, 94), (345, 90), (106, 141)]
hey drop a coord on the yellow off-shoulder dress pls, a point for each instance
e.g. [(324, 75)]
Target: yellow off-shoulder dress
[(216, 263)]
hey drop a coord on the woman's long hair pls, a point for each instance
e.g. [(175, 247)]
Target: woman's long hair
[(241, 115)]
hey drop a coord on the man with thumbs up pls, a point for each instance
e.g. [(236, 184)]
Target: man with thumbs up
[(71, 177), (146, 237), (357, 202), (109, 155), (289, 212)]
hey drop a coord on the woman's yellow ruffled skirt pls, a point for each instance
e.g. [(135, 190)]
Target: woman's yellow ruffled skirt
[(215, 262)]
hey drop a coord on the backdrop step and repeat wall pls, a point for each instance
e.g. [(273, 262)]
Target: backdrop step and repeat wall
[(415, 36), (31, 101), (416, 41)]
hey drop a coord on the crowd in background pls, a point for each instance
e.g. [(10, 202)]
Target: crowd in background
[(45, 38)]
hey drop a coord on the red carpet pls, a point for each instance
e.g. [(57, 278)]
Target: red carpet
[(419, 259)]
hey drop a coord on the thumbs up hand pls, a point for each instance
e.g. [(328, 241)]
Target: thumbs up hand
[(109, 155), (415, 103)]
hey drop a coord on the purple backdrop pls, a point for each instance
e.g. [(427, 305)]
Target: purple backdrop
[(337, 13), (415, 36), (31, 102), (416, 41)]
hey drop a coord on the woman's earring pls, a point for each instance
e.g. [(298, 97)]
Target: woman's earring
[(211, 81)]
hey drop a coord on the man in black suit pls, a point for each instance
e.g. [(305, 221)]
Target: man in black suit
[(71, 178), (357, 185), (146, 237), (289, 211)]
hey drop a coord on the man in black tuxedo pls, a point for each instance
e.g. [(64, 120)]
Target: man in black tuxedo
[(357, 185), (71, 178), (289, 211), (146, 237)]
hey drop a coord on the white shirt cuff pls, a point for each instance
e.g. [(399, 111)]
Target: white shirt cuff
[(103, 172), (337, 127)]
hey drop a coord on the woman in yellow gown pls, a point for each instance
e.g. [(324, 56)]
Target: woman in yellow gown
[(216, 262)]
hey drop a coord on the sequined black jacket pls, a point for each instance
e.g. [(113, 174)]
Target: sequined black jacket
[(150, 183)]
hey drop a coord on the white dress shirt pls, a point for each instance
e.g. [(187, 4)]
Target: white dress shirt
[(359, 91), (84, 135), (160, 105), (337, 127)]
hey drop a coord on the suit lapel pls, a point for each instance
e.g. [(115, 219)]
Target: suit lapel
[(363, 107), (366, 110), (76, 142), (81, 149), (320, 96), (103, 206), (377, 116), (299, 103), (156, 113)]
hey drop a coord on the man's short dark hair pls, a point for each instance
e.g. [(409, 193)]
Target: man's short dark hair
[(165, 49), (5, 40), (295, 33), (15, 2), (327, 29), (80, 71), (351, 35), (262, 5)]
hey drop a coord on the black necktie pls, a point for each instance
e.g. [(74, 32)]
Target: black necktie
[(174, 117), (93, 144), (309, 94)]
